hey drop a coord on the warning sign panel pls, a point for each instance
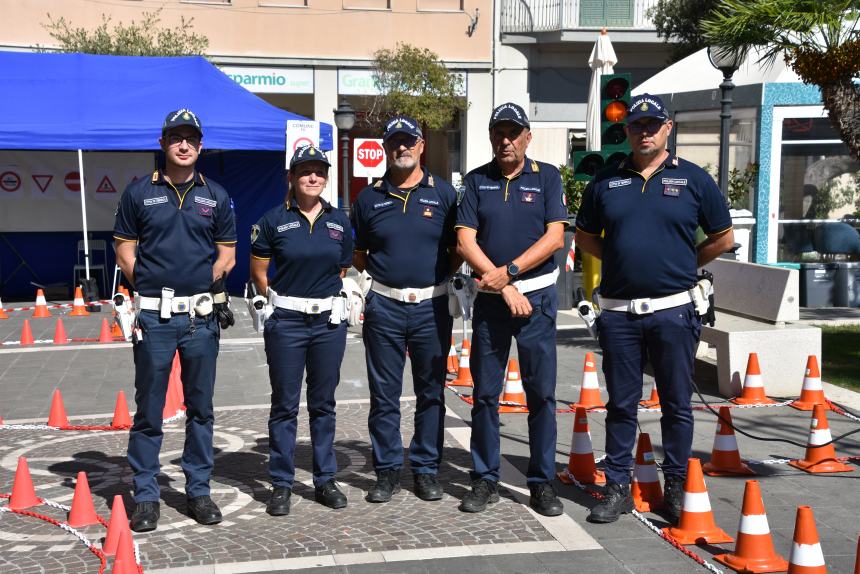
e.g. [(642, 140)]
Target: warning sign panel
[(43, 181), (106, 186), (10, 181)]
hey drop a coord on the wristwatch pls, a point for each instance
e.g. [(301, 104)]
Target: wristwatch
[(513, 270)]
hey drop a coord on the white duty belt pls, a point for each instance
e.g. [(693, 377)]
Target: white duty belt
[(646, 305), (533, 284), (178, 305), (302, 305), (410, 294)]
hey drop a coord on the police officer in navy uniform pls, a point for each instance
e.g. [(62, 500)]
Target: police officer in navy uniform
[(510, 222), (404, 238), (649, 207), (311, 244), (175, 236)]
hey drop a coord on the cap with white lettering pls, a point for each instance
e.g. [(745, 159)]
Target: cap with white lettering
[(509, 112), (401, 124), (646, 106)]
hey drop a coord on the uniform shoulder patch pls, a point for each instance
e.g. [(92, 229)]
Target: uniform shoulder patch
[(430, 182), (378, 184), (255, 232), (154, 177), (460, 193)]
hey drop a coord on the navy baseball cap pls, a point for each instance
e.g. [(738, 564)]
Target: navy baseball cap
[(308, 153), (183, 117), (509, 112), (646, 106), (402, 124)]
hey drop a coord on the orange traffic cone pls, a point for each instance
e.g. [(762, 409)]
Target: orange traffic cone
[(812, 393), (754, 550), (83, 513), (514, 394), (725, 457), (26, 334), (697, 520), (79, 309), (41, 310), (589, 392), (646, 490), (23, 493), (453, 363), (60, 334), (820, 459), (464, 374), (105, 334), (125, 562), (806, 556), (57, 416), (581, 465), (115, 330), (121, 417), (176, 382), (117, 524), (653, 401), (753, 391), (3, 314)]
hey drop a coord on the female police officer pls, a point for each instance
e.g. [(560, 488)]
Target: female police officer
[(311, 243)]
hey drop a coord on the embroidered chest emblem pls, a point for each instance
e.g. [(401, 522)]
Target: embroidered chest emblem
[(428, 211), (154, 200), (528, 197), (288, 226)]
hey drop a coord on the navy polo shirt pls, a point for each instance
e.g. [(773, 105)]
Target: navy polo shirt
[(406, 232), (512, 214), (175, 232), (308, 254), (649, 249)]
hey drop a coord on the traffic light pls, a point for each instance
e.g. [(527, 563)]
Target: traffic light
[(586, 164), (614, 102)]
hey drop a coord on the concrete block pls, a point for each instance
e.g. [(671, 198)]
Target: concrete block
[(760, 291)]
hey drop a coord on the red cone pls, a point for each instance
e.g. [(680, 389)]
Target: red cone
[(60, 334), (3, 314), (41, 310), (697, 523), (79, 308), (646, 491), (83, 513), (125, 562), (653, 401), (725, 457), (23, 493), (754, 550), (820, 456), (806, 556), (117, 524), (812, 392), (589, 392), (57, 416), (121, 417), (105, 335), (26, 334), (581, 464)]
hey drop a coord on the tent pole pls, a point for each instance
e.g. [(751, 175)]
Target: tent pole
[(84, 213)]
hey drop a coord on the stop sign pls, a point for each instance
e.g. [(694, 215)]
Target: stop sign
[(369, 153)]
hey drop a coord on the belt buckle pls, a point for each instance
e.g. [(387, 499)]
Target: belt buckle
[(313, 309), (641, 306), (410, 295), (180, 306)]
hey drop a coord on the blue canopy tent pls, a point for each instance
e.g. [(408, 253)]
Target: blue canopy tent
[(116, 103)]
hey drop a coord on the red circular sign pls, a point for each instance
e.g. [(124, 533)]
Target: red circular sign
[(302, 142), (369, 154), (73, 181), (10, 181)]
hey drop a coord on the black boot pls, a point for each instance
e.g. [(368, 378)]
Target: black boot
[(483, 492), (387, 485), (279, 502), (616, 501), (427, 487), (204, 510), (330, 495), (145, 517), (544, 500), (673, 497)]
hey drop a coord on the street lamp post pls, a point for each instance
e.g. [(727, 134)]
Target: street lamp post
[(726, 61), (344, 119)]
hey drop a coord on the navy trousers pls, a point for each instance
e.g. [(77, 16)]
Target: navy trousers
[(492, 329), (668, 338), (390, 327), (296, 342), (197, 343)]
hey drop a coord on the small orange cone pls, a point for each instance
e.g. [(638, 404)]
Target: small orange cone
[(79, 309), (464, 374), (754, 550), (41, 310), (589, 392), (57, 416), (646, 490), (125, 562), (453, 363), (60, 334), (121, 417), (115, 330), (175, 383), (820, 459), (725, 457), (26, 334), (23, 493), (514, 393), (105, 334), (3, 314), (653, 401), (83, 513), (697, 520), (812, 393), (116, 525), (806, 556), (753, 391), (581, 465)]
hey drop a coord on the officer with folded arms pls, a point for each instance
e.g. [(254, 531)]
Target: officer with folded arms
[(648, 207), (175, 237), (311, 244), (510, 222), (404, 238)]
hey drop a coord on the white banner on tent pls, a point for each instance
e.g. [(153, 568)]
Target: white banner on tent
[(40, 190)]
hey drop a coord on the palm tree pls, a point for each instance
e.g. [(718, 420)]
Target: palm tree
[(819, 40)]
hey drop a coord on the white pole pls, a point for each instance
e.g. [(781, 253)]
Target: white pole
[(84, 213)]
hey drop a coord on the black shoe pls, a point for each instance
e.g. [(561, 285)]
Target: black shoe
[(673, 497), (427, 487), (484, 492), (387, 485), (203, 510), (279, 502), (330, 495), (145, 517), (544, 500), (616, 501)]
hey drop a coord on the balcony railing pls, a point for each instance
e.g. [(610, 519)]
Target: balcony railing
[(554, 15)]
